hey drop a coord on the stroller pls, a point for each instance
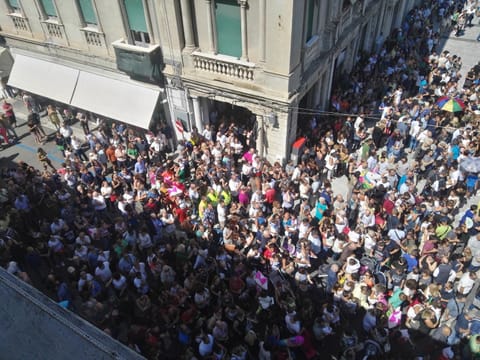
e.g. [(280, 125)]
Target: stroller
[(369, 263)]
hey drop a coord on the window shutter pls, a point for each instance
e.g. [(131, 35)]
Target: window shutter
[(49, 8), (229, 34), (136, 15), (87, 11)]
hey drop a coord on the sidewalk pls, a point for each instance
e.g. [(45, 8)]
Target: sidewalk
[(21, 113)]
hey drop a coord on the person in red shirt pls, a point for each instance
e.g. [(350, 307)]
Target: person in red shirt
[(181, 213), (389, 204), (8, 109), (269, 198)]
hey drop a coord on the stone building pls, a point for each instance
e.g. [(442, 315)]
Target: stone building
[(190, 62)]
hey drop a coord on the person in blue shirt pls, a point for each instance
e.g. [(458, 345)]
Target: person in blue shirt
[(139, 167), (411, 259), (471, 182), (320, 208)]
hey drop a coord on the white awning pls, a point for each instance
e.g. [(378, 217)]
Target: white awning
[(116, 99), (44, 78)]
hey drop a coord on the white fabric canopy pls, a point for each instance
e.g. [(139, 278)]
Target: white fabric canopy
[(43, 78), (116, 99)]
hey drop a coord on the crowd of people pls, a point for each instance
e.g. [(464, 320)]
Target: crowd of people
[(209, 251)]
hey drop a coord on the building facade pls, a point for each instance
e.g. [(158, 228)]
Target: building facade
[(192, 62), (269, 57), (100, 56)]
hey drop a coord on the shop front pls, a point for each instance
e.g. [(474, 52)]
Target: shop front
[(106, 94)]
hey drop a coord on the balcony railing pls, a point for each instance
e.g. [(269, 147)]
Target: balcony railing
[(19, 22), (93, 37), (54, 30), (223, 65)]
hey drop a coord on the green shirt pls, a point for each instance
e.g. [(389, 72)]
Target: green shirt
[(474, 345)]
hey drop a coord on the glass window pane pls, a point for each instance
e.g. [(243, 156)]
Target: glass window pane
[(136, 15), (310, 13), (87, 11), (13, 4), (49, 8), (229, 32)]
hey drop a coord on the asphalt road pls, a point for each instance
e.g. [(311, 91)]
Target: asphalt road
[(26, 149)]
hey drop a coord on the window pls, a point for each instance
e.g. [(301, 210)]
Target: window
[(137, 22), (49, 8), (229, 28), (14, 5), (88, 13), (310, 16)]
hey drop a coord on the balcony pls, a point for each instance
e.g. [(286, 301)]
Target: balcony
[(54, 30), (141, 63), (19, 22), (224, 66), (93, 37)]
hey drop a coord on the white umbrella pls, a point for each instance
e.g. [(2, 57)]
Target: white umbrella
[(470, 165)]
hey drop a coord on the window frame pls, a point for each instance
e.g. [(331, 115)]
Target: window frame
[(82, 15), (137, 37), (216, 35), (311, 20), (14, 9), (47, 16)]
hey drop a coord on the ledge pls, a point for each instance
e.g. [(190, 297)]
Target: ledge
[(17, 15), (91, 30), (122, 44)]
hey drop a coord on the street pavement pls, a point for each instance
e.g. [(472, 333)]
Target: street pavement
[(26, 149), (464, 46)]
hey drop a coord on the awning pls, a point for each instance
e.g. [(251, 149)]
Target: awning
[(116, 99), (44, 78), (6, 62)]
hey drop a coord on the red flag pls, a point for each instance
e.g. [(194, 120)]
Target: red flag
[(179, 126)]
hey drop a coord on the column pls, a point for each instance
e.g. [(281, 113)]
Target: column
[(197, 114), (187, 24), (260, 136), (148, 21), (243, 20), (211, 38), (262, 27), (317, 93)]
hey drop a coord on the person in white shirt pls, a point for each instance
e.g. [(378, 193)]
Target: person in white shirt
[(103, 272), (144, 240), (98, 201), (221, 213), (66, 132), (292, 322), (83, 239), (234, 185), (85, 278), (205, 345), (207, 133), (119, 282), (466, 282)]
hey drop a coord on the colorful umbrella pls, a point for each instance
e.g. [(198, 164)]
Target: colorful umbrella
[(450, 104)]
